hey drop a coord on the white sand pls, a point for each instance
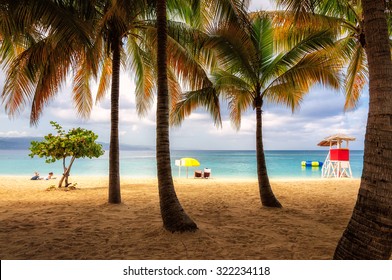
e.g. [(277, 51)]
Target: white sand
[(40, 224)]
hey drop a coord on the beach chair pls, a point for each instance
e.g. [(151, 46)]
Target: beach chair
[(207, 173), (198, 174)]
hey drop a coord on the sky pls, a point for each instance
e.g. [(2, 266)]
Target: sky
[(321, 114)]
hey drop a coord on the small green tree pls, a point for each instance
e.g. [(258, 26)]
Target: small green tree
[(77, 143)]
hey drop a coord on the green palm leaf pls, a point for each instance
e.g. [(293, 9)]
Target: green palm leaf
[(357, 77), (206, 97)]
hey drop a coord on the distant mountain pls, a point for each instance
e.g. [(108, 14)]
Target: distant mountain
[(17, 143), (23, 143), (126, 147)]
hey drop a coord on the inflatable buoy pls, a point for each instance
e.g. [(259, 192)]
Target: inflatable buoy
[(311, 163)]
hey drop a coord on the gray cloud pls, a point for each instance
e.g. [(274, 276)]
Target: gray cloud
[(261, 5), (320, 115)]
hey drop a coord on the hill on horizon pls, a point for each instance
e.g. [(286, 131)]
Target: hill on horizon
[(23, 143)]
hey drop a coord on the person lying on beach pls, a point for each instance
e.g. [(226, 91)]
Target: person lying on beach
[(50, 176), (36, 176)]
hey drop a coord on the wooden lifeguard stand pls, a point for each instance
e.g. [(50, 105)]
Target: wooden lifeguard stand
[(337, 162)]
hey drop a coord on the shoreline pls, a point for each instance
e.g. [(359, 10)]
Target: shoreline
[(176, 178), (225, 164), (80, 224)]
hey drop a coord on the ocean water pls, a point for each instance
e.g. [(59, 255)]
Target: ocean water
[(223, 164)]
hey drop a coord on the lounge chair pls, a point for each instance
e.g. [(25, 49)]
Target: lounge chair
[(198, 173), (207, 173)]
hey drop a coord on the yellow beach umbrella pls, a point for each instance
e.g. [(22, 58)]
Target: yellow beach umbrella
[(189, 162)]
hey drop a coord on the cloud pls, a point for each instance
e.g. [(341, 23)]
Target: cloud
[(13, 133), (321, 114), (248, 127), (199, 117), (299, 131), (256, 5)]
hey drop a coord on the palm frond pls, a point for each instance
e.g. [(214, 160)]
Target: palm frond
[(317, 42), (174, 87), (289, 87), (141, 62), (286, 93), (55, 19), (239, 102), (185, 65), (234, 49), (301, 8), (105, 79), (225, 81), (191, 12), (234, 11), (206, 97), (42, 65), (194, 40), (351, 11), (51, 74), (237, 91), (81, 89), (19, 86), (263, 40), (356, 78), (288, 32)]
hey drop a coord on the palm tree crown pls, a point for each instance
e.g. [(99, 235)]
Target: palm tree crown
[(249, 70), (346, 19)]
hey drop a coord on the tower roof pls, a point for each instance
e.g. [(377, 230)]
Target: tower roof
[(335, 139)]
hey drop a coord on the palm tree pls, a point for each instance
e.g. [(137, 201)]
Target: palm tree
[(79, 36), (85, 37), (368, 234), (173, 216), (346, 19), (369, 231), (107, 26), (249, 72)]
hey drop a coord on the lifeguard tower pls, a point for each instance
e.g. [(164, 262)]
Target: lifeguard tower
[(337, 162)]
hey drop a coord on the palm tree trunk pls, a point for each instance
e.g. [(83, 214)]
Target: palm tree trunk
[(266, 194), (114, 157), (173, 215), (369, 232)]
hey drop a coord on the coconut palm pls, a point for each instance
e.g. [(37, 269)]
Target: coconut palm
[(369, 232), (194, 13), (173, 216), (346, 18), (111, 26), (250, 72), (108, 26), (78, 37)]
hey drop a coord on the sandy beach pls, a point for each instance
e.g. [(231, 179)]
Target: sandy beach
[(80, 224)]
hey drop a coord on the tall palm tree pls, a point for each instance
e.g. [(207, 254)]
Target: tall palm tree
[(193, 14), (108, 27), (38, 72), (249, 72), (173, 215), (88, 39), (369, 231), (79, 36)]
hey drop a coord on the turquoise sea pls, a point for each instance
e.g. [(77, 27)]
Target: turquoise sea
[(223, 164)]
